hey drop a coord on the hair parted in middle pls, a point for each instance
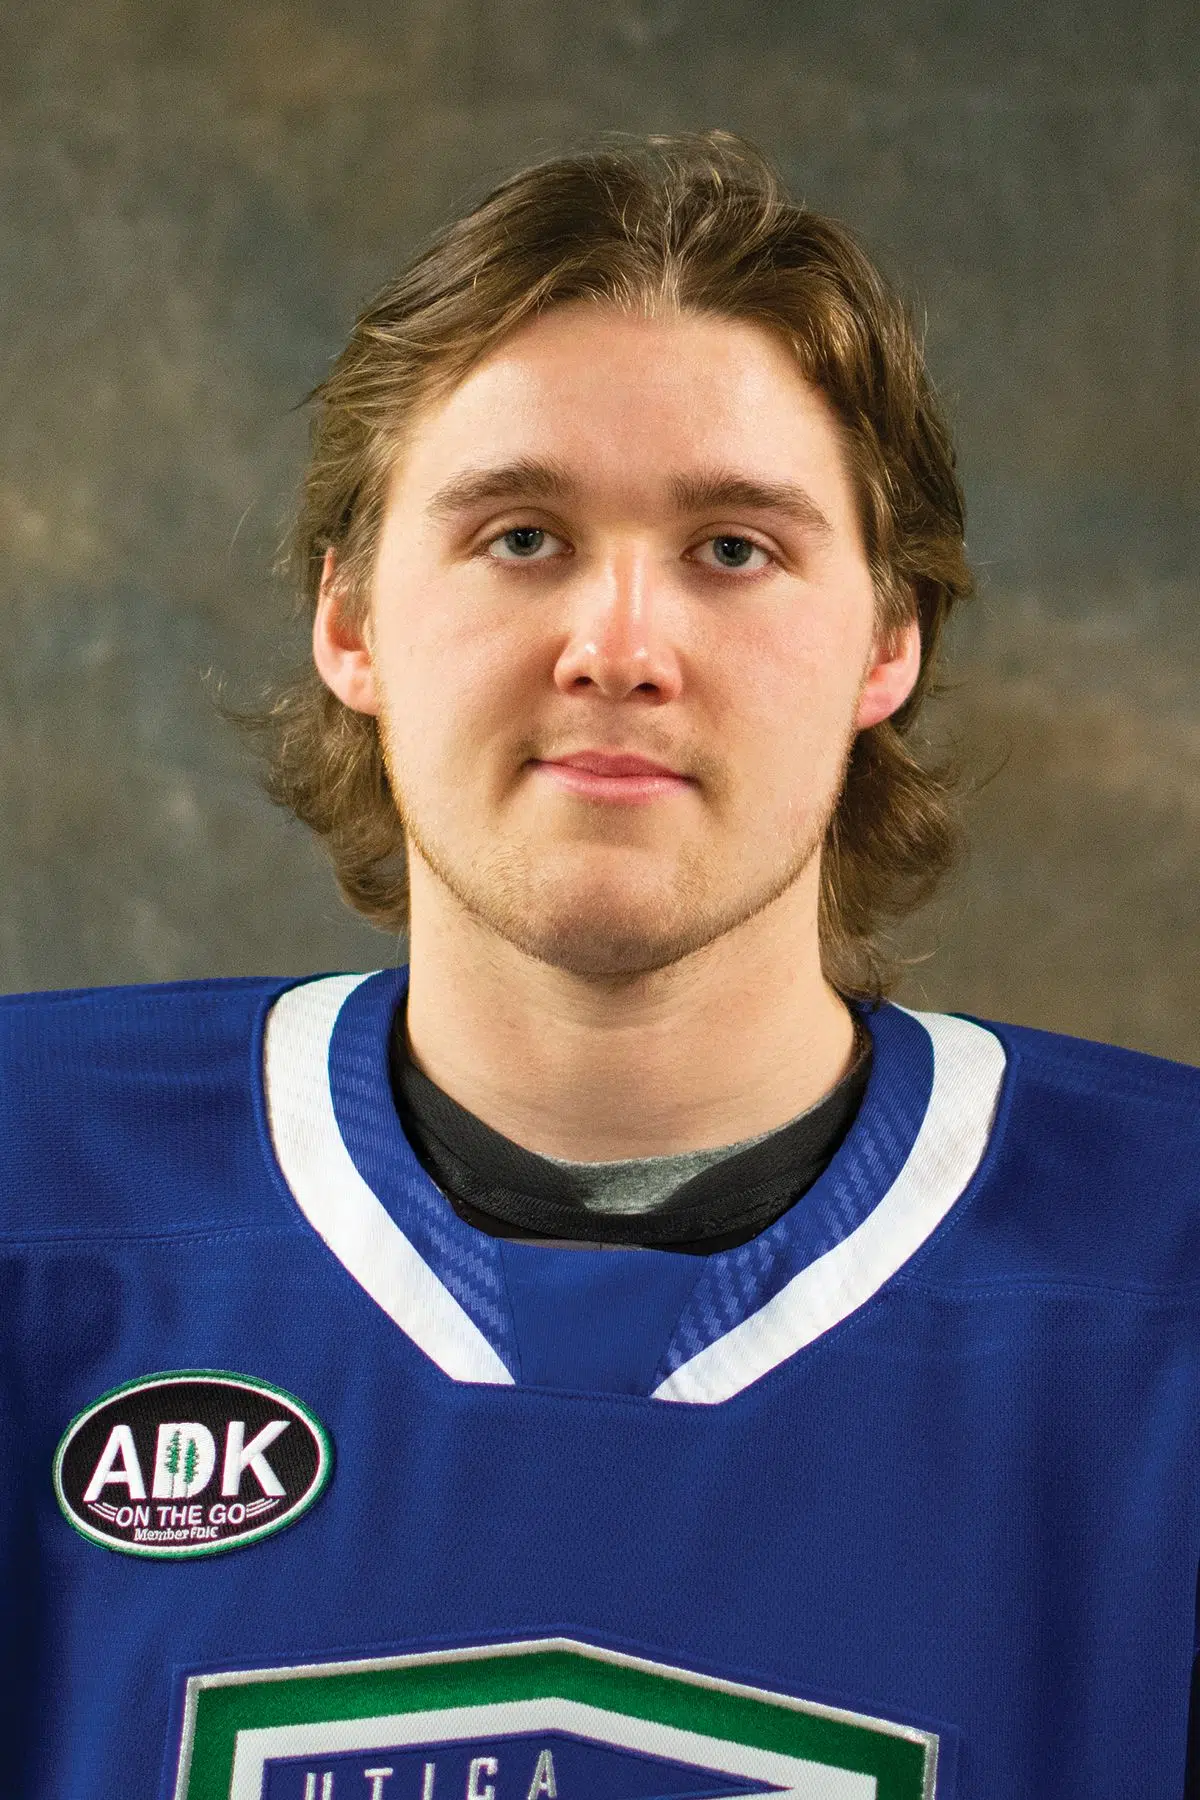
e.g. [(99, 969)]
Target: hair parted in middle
[(695, 223)]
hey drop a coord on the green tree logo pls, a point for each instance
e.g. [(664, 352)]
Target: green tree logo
[(184, 1461)]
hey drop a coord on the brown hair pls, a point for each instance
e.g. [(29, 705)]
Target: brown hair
[(701, 223)]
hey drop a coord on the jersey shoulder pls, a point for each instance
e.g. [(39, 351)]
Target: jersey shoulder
[(1092, 1174), (132, 1110)]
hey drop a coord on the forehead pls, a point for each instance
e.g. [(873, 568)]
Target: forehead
[(625, 401)]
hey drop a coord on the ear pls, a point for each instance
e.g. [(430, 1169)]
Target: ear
[(341, 647), (890, 677)]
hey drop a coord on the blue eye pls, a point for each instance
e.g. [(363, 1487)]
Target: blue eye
[(525, 543), (524, 540), (733, 552), (729, 551)]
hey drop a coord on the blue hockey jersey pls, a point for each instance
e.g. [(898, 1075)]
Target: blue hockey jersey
[(309, 1490)]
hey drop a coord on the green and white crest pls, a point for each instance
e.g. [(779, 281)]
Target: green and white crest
[(544, 1720)]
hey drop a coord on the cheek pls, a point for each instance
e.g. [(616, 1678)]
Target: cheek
[(795, 684), (450, 687)]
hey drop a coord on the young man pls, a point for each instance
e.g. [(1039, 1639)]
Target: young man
[(620, 1356)]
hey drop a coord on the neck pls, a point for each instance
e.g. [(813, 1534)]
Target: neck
[(733, 1041)]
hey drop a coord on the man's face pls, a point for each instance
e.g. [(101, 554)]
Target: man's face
[(626, 536)]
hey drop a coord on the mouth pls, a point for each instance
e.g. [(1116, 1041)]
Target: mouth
[(612, 776)]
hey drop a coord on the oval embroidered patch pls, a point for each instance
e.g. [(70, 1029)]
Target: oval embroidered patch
[(188, 1462)]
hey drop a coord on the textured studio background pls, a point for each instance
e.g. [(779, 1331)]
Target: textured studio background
[(193, 201)]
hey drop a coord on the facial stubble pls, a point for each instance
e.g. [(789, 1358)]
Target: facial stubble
[(603, 934)]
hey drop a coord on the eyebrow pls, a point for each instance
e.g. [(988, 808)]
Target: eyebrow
[(720, 490), (526, 478), (713, 490)]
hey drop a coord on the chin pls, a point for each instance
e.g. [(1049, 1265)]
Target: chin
[(599, 931), (593, 929), (598, 924), (595, 950)]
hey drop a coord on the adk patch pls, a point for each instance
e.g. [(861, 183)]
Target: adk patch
[(189, 1462), (550, 1719)]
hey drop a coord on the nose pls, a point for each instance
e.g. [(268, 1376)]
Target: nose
[(618, 641)]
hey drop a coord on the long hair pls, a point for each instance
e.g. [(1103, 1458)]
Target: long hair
[(699, 223)]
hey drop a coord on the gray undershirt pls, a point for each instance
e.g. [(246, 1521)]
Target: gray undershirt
[(694, 1200), (639, 1184)]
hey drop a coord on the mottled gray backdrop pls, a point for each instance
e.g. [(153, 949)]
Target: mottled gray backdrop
[(196, 197)]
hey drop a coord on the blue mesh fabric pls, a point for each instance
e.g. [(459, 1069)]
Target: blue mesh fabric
[(735, 1283), (466, 1261)]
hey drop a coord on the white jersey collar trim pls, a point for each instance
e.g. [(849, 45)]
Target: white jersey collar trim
[(335, 1199), (968, 1069), (968, 1073)]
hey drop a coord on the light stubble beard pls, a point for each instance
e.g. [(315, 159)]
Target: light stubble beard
[(513, 892)]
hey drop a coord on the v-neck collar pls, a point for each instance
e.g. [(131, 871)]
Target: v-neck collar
[(508, 1191), (918, 1138)]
